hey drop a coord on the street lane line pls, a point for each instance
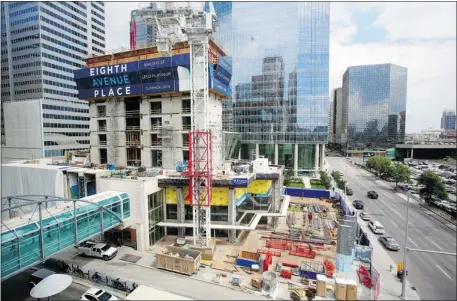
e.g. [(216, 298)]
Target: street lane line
[(394, 223), (412, 242), (436, 244), (441, 269)]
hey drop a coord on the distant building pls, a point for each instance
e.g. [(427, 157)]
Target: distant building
[(42, 43), (338, 116), (375, 96), (141, 34), (448, 120)]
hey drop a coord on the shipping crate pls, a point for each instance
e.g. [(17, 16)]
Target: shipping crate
[(247, 259), (167, 260)]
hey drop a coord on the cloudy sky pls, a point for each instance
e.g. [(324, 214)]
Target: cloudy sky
[(418, 35)]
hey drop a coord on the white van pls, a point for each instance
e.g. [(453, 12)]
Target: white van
[(376, 227)]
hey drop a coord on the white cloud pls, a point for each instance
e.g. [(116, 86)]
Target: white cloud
[(420, 36)]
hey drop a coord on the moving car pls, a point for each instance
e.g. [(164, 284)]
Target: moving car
[(389, 243), (39, 275), (99, 250), (365, 216), (376, 227), (97, 294), (358, 204), (372, 194), (349, 191)]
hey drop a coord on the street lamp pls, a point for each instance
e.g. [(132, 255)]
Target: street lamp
[(405, 251)]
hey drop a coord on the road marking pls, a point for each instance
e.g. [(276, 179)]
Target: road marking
[(436, 244), (394, 223), (412, 242), (441, 269)]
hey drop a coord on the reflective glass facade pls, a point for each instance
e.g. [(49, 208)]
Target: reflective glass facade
[(280, 90), (376, 99)]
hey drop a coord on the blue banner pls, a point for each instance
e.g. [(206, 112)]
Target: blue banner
[(222, 75), (163, 62), (226, 63), (240, 182), (111, 92), (106, 70), (220, 87)]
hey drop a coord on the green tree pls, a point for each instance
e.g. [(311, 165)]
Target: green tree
[(400, 173), (341, 184), (325, 180), (382, 166), (336, 175), (288, 174), (434, 187)]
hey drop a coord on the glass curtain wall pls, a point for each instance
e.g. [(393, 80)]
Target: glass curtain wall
[(155, 212), (280, 55), (267, 150)]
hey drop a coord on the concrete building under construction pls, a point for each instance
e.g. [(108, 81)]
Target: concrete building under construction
[(144, 118)]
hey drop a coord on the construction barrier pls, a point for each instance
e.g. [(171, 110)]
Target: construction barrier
[(307, 192)]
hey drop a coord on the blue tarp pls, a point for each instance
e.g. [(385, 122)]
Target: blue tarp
[(307, 192)]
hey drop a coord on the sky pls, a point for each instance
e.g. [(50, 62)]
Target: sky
[(418, 35)]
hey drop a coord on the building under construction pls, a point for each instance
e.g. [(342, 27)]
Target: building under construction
[(146, 124)]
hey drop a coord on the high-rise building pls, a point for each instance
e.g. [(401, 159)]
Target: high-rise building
[(339, 114), (376, 100), (42, 43), (279, 78), (141, 34), (448, 120)]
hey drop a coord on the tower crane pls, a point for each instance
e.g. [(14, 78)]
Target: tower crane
[(191, 24)]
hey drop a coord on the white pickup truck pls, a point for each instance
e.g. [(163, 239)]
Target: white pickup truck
[(95, 249)]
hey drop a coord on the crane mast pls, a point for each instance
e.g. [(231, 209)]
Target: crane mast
[(175, 25)]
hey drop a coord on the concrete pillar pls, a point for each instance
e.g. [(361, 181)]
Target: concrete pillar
[(316, 159), (412, 153), (239, 154), (295, 160), (276, 154), (181, 211), (165, 229), (322, 156), (232, 214), (257, 151)]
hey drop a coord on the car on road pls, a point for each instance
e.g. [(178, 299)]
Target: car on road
[(389, 243), (358, 204), (38, 276), (365, 216), (376, 227), (97, 294), (349, 191), (372, 194)]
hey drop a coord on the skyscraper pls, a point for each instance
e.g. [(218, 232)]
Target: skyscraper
[(448, 120), (376, 100), (42, 43), (141, 34), (284, 116)]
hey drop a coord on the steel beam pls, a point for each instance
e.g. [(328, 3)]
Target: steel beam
[(75, 222), (41, 231)]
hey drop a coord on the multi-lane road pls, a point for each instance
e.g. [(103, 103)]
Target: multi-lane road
[(433, 275)]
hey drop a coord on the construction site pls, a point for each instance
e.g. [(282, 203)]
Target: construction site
[(202, 213)]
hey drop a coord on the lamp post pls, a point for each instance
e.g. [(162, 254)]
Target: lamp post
[(405, 251)]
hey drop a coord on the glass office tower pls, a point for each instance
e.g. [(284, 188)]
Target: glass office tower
[(376, 100), (280, 90)]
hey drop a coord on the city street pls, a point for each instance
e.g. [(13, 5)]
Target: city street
[(17, 289), (433, 275)]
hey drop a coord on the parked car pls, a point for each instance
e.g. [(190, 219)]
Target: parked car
[(99, 250), (365, 216), (349, 191), (376, 227), (38, 276), (372, 194), (97, 294), (358, 204), (389, 243)]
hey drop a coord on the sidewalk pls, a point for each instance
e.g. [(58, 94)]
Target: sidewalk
[(390, 284)]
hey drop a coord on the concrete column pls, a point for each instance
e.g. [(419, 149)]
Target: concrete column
[(239, 154), (322, 156), (316, 158), (295, 160), (164, 211), (181, 211), (412, 153), (276, 154), (257, 151), (232, 214)]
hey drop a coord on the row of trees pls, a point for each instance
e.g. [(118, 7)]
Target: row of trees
[(383, 167), (325, 179), (340, 183)]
